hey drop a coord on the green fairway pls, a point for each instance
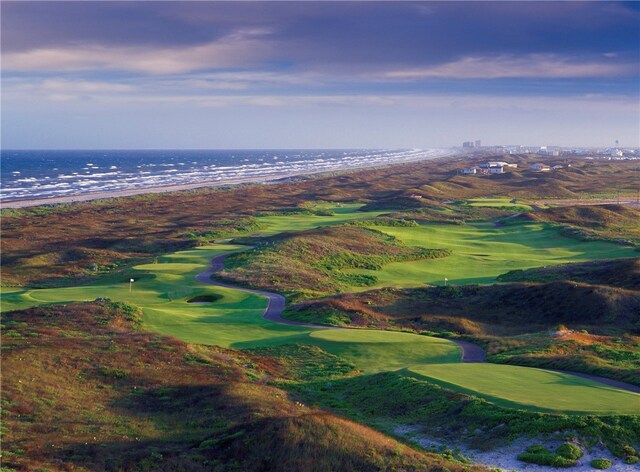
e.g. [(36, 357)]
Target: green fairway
[(234, 320), (529, 388), (482, 251), (300, 222), (498, 202)]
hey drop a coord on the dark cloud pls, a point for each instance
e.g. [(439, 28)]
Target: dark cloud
[(336, 32)]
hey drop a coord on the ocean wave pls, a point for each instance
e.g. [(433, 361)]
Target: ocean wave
[(136, 171)]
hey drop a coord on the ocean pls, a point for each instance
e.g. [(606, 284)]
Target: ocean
[(27, 175)]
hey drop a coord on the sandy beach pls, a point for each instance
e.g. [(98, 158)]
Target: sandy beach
[(141, 191)]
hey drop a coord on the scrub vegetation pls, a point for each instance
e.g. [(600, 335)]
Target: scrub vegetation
[(167, 373), (85, 389), (316, 262)]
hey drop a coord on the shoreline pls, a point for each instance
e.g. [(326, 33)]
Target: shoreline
[(272, 179)]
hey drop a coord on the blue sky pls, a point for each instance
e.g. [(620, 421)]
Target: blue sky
[(319, 74)]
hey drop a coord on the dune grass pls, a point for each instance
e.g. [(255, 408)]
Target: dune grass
[(531, 389), (482, 252)]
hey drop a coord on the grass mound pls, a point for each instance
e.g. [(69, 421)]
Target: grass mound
[(516, 323), (615, 222), (313, 263), (83, 390), (476, 309), (621, 273), (303, 362)]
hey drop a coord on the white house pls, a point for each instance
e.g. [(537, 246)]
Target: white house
[(496, 170), (470, 170)]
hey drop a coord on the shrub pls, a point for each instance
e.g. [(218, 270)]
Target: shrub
[(601, 464), (545, 458), (569, 451), (565, 456), (538, 449)]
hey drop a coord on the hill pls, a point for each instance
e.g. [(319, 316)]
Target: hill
[(622, 273), (613, 222), (512, 308), (311, 263), (83, 389), (516, 322)]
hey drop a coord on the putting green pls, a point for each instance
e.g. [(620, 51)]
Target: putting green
[(532, 389), (482, 252), (501, 202)]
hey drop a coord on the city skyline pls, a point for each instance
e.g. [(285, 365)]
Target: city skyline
[(319, 74)]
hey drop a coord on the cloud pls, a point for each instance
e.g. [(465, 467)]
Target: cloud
[(240, 48), (587, 103), (509, 66)]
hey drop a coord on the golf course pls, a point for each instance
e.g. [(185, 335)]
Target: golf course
[(479, 253)]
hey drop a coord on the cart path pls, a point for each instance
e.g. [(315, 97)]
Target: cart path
[(276, 304), (470, 352)]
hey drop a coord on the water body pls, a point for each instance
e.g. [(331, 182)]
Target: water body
[(27, 175)]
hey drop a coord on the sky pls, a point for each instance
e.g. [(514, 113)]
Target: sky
[(245, 75)]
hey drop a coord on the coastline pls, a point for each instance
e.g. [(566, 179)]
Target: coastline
[(271, 179)]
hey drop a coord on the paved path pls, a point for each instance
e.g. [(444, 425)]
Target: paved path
[(470, 352), (276, 301)]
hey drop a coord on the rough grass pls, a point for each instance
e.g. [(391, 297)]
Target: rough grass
[(314, 263), (82, 391), (623, 273), (513, 308), (591, 222), (387, 400), (302, 362), (616, 357)]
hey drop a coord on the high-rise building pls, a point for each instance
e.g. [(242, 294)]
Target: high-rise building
[(478, 143)]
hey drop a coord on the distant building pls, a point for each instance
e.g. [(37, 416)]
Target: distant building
[(468, 144), (616, 153), (496, 164), (496, 170), (540, 167), (470, 170), (557, 167), (478, 143)]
